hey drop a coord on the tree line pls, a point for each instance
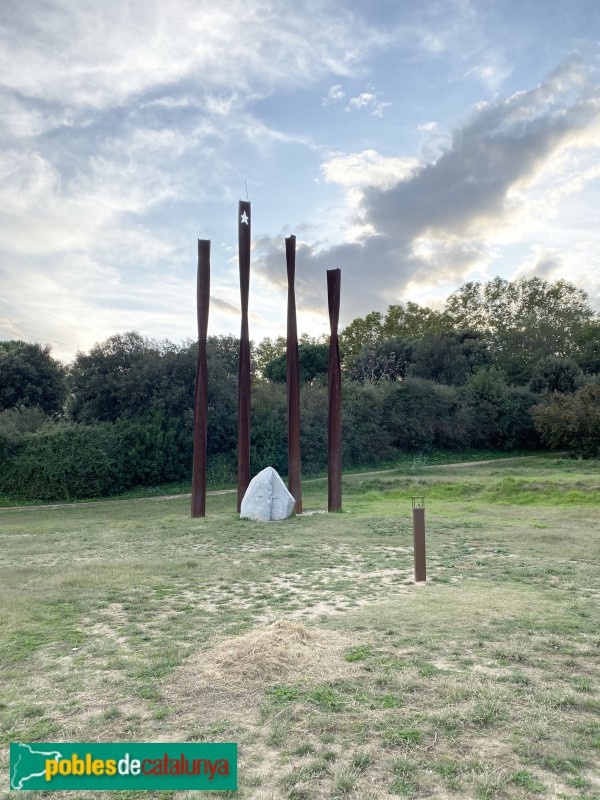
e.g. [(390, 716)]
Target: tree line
[(504, 365)]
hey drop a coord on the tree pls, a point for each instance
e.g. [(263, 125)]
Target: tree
[(588, 347), (312, 361), (554, 374), (402, 321), (115, 380), (386, 360), (361, 332), (313, 427), (29, 376), (524, 320), (439, 359), (14, 424), (266, 351), (412, 321), (572, 421), (130, 377), (449, 357), (475, 347)]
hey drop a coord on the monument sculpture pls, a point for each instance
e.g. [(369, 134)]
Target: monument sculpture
[(334, 383), (334, 390), (201, 389), (243, 476), (293, 380)]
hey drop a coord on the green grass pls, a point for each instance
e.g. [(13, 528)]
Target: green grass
[(484, 682)]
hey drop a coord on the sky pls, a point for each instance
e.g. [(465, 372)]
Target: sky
[(414, 145)]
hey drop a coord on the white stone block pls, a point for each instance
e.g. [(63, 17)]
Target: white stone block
[(267, 498)]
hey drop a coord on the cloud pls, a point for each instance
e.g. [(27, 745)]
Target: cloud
[(367, 168), (505, 145), (363, 99), (85, 53), (355, 172), (490, 76), (368, 100), (543, 262), (224, 307), (334, 95), (438, 221), (118, 120)]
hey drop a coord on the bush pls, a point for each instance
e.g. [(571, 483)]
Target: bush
[(221, 469), (517, 429), (66, 462), (572, 421), (14, 423), (499, 415), (450, 419), (154, 450), (313, 427), (365, 439), (70, 461), (420, 415), (269, 428)]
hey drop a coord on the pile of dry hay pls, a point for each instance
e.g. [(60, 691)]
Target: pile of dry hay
[(284, 649), (246, 664)]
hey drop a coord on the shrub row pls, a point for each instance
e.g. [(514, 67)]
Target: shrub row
[(380, 421), (68, 461)]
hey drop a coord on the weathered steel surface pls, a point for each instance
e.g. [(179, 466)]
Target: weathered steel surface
[(334, 385), (419, 543), (244, 369), (201, 389), (293, 380)]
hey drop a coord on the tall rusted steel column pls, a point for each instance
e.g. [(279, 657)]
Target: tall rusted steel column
[(293, 380), (201, 389), (334, 386), (418, 505), (244, 370)]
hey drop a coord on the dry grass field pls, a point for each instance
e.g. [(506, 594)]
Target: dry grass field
[(308, 643)]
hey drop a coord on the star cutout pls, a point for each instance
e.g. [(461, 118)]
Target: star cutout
[(244, 219)]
